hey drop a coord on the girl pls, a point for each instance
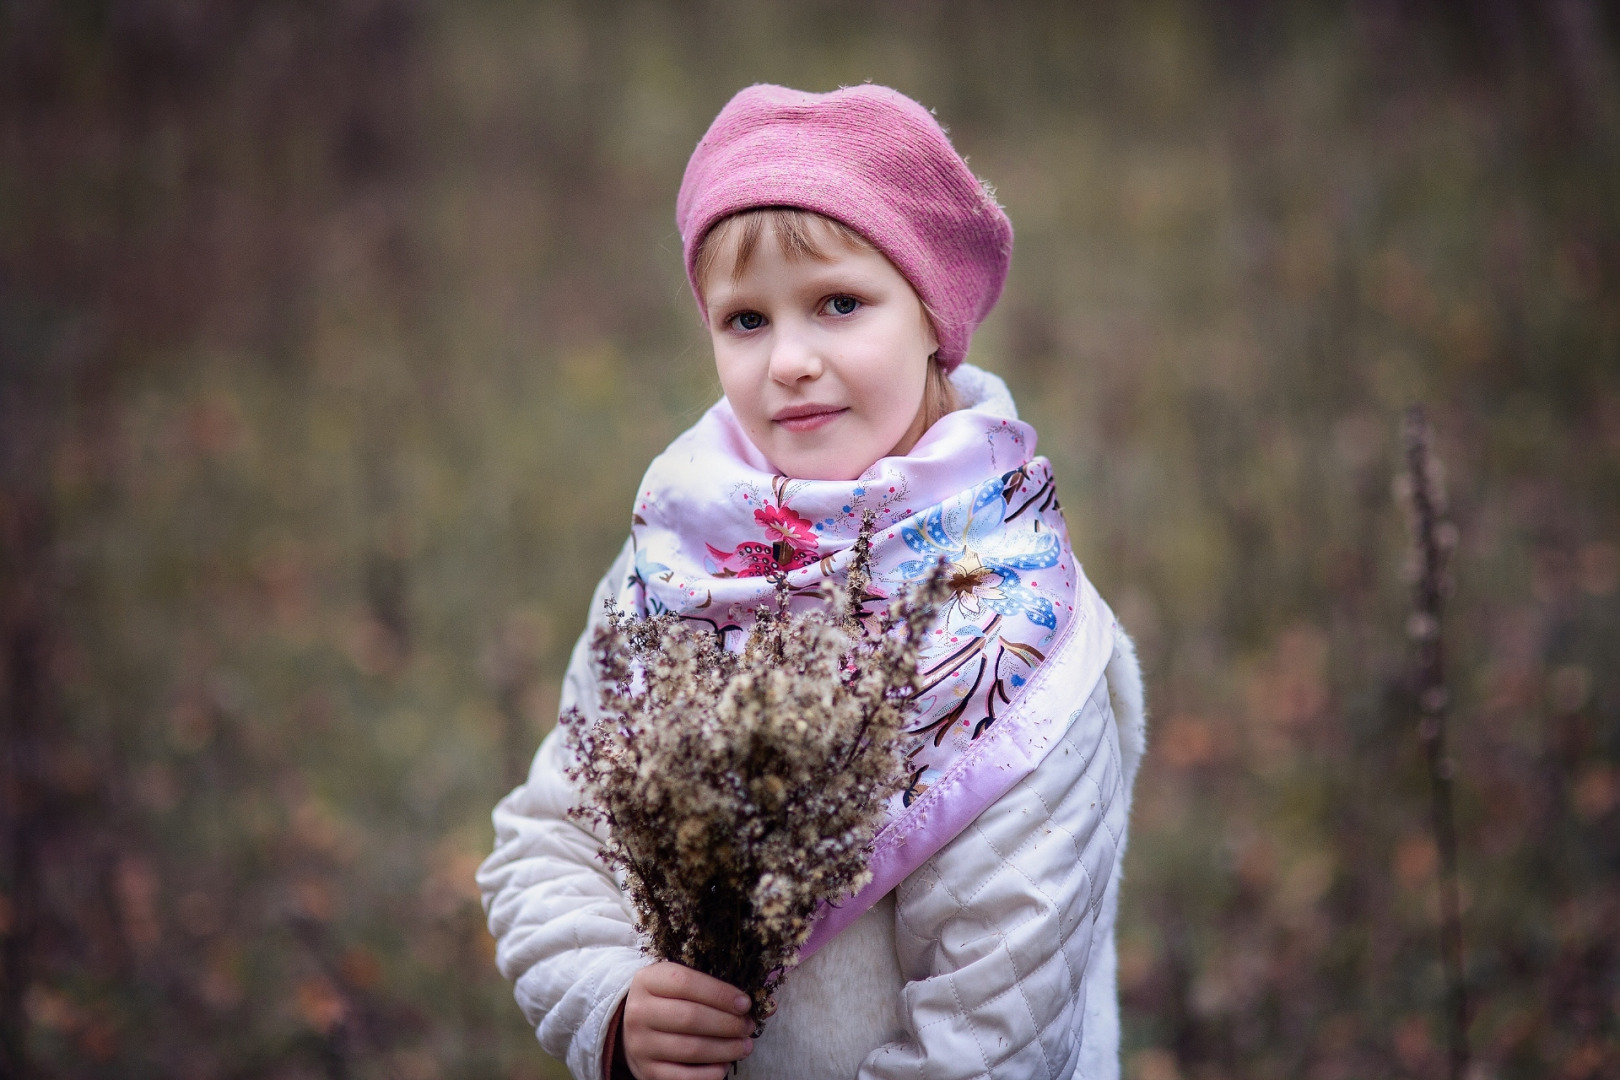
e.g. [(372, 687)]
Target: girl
[(842, 254)]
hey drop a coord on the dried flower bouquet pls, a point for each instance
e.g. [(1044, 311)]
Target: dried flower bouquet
[(741, 790)]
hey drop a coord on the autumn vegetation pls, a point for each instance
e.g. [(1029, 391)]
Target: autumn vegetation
[(334, 338)]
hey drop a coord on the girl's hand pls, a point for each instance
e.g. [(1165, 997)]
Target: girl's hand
[(680, 1024)]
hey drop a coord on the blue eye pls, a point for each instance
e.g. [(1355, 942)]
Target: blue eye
[(748, 320), (843, 305)]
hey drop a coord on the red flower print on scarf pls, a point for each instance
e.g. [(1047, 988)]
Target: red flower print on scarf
[(782, 524), (790, 544)]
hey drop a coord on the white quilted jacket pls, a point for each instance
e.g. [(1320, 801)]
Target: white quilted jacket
[(995, 958)]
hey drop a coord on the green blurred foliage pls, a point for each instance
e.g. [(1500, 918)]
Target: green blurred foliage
[(335, 337)]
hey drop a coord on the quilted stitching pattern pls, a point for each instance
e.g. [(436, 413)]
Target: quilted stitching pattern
[(998, 929), (564, 931)]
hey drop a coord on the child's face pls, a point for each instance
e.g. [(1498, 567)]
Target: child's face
[(824, 362)]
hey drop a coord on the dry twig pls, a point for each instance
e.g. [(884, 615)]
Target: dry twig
[(1434, 537)]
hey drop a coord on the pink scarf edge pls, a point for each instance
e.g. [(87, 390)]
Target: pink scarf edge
[(990, 767)]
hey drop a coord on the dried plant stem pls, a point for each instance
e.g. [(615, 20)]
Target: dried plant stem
[(1433, 537), (741, 790)]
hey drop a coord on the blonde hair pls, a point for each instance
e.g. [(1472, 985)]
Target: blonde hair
[(799, 235)]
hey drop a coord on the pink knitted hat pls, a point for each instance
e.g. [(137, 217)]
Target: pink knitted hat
[(873, 159)]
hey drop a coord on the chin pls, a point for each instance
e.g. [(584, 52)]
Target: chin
[(833, 456), (807, 467), (810, 472)]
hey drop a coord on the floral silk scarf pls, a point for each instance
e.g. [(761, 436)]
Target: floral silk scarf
[(714, 525)]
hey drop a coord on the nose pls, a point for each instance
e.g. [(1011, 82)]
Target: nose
[(794, 356)]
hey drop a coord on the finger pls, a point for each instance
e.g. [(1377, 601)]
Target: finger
[(675, 980), (694, 1049), (674, 1070), (684, 1017)]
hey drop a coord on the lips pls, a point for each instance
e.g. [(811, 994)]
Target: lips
[(808, 417)]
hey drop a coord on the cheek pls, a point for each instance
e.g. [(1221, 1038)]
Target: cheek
[(736, 382), (726, 373), (893, 384)]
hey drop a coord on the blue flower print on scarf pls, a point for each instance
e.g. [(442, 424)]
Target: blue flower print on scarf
[(646, 570), (984, 556)]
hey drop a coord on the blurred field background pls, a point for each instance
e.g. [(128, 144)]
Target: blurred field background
[(334, 338)]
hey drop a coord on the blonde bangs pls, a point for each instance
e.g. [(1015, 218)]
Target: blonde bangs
[(800, 234)]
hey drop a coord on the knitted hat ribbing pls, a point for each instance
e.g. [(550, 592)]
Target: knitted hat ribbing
[(877, 161)]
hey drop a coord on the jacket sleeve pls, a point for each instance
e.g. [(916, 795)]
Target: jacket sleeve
[(564, 932), (1005, 936)]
